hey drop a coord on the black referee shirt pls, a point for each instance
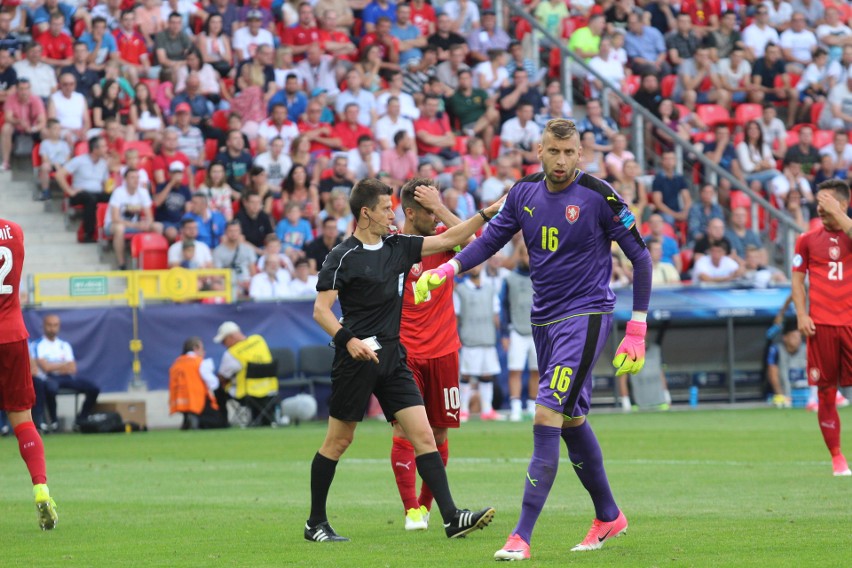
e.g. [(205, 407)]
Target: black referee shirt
[(369, 280)]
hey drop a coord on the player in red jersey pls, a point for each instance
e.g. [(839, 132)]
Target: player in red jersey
[(16, 382), (428, 333), (825, 256)]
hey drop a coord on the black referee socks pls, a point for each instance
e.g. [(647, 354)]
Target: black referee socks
[(432, 471), (322, 474)]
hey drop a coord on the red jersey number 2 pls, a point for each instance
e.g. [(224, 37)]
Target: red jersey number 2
[(5, 269)]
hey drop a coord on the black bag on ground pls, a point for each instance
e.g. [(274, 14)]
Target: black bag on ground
[(101, 423)]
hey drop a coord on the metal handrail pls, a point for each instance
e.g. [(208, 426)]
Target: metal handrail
[(640, 114)]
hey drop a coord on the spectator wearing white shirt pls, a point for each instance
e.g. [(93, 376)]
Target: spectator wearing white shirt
[(798, 44), (607, 65), (248, 38), (272, 283), (833, 34), (840, 150), (837, 112), (277, 126), (364, 161), (202, 256), (42, 77), (407, 106), (318, 71), (304, 284), (464, 16), (275, 162), (492, 75), (773, 130), (791, 177), (717, 267), (759, 33), (365, 100), (780, 13), (391, 123), (130, 212), (519, 136), (815, 84), (70, 108)]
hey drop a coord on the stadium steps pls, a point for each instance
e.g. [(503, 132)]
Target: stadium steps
[(49, 246)]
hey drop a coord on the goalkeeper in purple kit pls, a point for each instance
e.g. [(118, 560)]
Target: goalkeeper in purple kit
[(568, 219)]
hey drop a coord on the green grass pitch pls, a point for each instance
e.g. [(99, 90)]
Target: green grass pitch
[(707, 488)]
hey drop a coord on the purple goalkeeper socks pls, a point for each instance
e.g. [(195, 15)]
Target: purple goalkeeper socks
[(585, 455), (540, 476)]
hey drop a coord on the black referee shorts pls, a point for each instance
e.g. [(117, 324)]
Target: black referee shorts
[(354, 381)]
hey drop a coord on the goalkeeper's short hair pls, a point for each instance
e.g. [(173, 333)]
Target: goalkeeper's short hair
[(406, 194)]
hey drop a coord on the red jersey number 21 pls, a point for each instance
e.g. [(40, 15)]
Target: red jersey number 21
[(5, 269), (835, 270)]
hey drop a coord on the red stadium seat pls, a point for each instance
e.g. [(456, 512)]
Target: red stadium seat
[(461, 145), (150, 251), (631, 84), (522, 28), (667, 86), (495, 147), (104, 240), (799, 126), (220, 120), (792, 138), (200, 176), (711, 115), (823, 138), (211, 148), (144, 147), (746, 112), (816, 110)]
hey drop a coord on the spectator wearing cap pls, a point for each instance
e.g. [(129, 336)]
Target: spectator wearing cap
[(202, 257), (171, 199), (303, 34), (88, 174), (411, 41), (249, 37), (172, 44), (487, 37), (291, 97), (444, 37), (717, 267), (837, 112), (42, 77), (169, 153), (279, 124), (190, 138), (267, 20), (364, 100), (211, 224)]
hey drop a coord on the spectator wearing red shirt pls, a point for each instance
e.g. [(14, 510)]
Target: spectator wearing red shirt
[(303, 34), (321, 134), (132, 50), (349, 130), (435, 138), (388, 44), (57, 45), (423, 16), (333, 41), (704, 14), (168, 154)]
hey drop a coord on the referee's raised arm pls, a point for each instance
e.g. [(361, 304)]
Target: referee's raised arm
[(459, 234)]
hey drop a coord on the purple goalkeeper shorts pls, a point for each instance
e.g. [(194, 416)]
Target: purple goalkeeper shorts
[(567, 352)]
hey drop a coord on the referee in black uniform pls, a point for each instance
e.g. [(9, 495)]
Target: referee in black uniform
[(366, 272)]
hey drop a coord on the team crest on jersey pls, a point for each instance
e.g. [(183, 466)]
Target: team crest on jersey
[(797, 261), (572, 213), (834, 252), (814, 373), (417, 269)]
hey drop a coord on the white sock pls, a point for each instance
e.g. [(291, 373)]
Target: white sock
[(486, 396), (531, 405), (464, 394), (667, 396), (515, 405), (625, 403)]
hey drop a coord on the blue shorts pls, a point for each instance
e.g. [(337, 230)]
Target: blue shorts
[(739, 97), (128, 232), (567, 352)]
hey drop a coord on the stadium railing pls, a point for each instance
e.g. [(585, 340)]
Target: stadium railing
[(788, 230)]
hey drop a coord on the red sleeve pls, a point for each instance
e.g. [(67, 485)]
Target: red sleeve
[(158, 163), (802, 256), (287, 36)]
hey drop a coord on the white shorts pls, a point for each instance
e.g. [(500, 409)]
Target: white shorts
[(522, 352), (479, 361)]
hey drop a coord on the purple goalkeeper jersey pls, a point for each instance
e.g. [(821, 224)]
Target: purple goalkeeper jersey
[(569, 236)]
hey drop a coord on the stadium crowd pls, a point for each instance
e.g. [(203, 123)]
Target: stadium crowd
[(237, 129)]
